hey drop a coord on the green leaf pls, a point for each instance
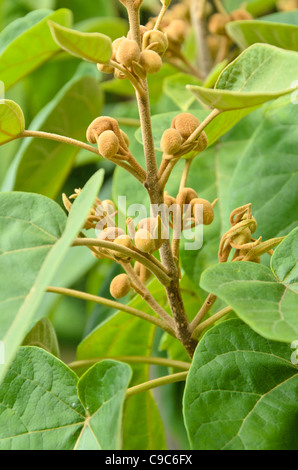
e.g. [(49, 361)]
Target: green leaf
[(114, 28), (241, 392), (20, 51), (102, 391), (285, 259), (175, 88), (43, 336), (255, 7), (268, 305), (143, 429), (42, 166), (31, 227), (40, 407), (267, 174), (246, 33), (93, 47), (12, 121), (260, 74)]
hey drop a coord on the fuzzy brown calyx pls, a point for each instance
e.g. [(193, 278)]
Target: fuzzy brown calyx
[(217, 23), (115, 46), (201, 143), (156, 41), (144, 241), (143, 30), (242, 238), (186, 124), (100, 125), (239, 15), (125, 241), (169, 200), (171, 142), (150, 61), (208, 211), (120, 286), (128, 52), (185, 196), (108, 144), (253, 227)]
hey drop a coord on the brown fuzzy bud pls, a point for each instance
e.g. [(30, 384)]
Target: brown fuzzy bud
[(185, 124), (97, 127), (169, 200), (155, 40), (208, 212), (202, 143), (253, 227), (124, 240), (105, 68), (119, 75), (242, 238), (217, 23), (239, 15), (125, 138), (142, 272), (171, 142), (144, 241), (186, 196), (108, 144), (108, 206), (128, 51), (115, 46), (176, 31), (120, 286), (150, 61)]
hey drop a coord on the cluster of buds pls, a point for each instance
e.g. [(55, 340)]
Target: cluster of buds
[(99, 213), (239, 238), (111, 140), (217, 22), (138, 61), (193, 210), (174, 140)]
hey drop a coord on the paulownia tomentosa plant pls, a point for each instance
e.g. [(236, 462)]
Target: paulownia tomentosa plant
[(223, 316)]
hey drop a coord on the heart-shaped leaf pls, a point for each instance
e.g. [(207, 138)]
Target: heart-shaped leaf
[(27, 43), (12, 122), (43, 406), (34, 235), (246, 33), (94, 47), (175, 88), (267, 304), (260, 74), (284, 262), (143, 428), (43, 335), (241, 392)]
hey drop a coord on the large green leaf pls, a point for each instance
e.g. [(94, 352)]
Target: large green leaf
[(123, 335), (42, 166), (43, 406), (261, 73), (246, 33), (27, 43), (241, 392), (175, 88), (31, 229), (269, 305), (285, 259), (267, 174), (12, 122), (43, 335), (114, 28), (255, 7), (94, 47)]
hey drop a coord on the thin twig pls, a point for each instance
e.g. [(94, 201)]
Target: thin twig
[(185, 174), (158, 361), (161, 274), (202, 126), (209, 302), (60, 138), (169, 379), (203, 326), (197, 17), (112, 304)]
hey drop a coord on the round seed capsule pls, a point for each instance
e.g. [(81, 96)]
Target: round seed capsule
[(150, 61), (108, 144), (208, 212), (144, 241), (128, 51), (171, 142), (120, 286), (185, 124)]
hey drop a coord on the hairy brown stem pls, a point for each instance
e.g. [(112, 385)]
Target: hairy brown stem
[(197, 17)]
